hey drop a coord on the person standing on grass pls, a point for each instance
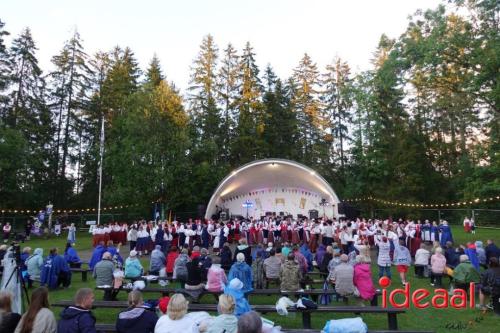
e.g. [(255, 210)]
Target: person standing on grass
[(136, 319), (78, 318), (490, 283), (422, 257), (34, 265), (438, 264), (402, 259), (384, 257), (71, 234), (38, 318)]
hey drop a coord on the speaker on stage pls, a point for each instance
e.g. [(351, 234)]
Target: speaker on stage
[(313, 214), (282, 214)]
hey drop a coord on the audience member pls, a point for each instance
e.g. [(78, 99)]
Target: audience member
[(136, 319), (363, 278), (157, 261), (172, 255), (226, 321), (71, 256), (38, 318), (180, 267), (272, 265), (55, 271), (34, 266), (8, 319), (245, 249), (422, 257), (176, 320), (235, 289), (490, 282), (133, 267), (343, 275), (243, 272), (250, 323), (78, 318), (465, 273), (216, 277), (103, 275), (290, 274)]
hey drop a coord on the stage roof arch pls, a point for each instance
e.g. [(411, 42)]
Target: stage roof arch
[(295, 189)]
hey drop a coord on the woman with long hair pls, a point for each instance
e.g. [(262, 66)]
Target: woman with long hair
[(38, 318), (8, 319)]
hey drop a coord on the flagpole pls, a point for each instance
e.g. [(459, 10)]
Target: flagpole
[(101, 153)]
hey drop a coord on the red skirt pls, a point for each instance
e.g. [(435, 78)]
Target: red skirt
[(270, 237), (284, 236), (295, 237), (260, 237), (313, 243), (371, 240), (467, 227)]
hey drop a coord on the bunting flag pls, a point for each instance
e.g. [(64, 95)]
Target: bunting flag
[(302, 203)]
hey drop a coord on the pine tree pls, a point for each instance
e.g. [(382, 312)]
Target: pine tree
[(4, 71), (154, 74), (71, 82), (337, 101)]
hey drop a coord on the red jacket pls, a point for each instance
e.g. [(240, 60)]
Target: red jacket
[(170, 261)]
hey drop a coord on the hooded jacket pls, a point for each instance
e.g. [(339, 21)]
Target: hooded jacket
[(466, 273), (157, 261), (136, 320), (35, 263), (71, 256), (96, 256), (75, 319), (53, 265), (241, 302), (133, 267), (243, 272), (180, 267), (170, 261), (363, 281), (216, 278), (290, 276)]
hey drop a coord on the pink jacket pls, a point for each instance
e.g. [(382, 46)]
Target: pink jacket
[(438, 263), (363, 281), (216, 279)]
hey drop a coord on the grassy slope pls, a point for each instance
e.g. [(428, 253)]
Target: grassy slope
[(426, 319)]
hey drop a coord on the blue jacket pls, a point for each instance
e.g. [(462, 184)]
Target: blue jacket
[(243, 272), (241, 302), (115, 254), (71, 256), (136, 320), (53, 265), (133, 268), (76, 320), (472, 254), (96, 255), (304, 249), (445, 235)]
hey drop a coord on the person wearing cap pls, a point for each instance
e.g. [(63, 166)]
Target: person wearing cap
[(465, 273), (343, 275), (243, 272), (136, 319), (163, 304), (235, 289), (133, 267), (226, 321)]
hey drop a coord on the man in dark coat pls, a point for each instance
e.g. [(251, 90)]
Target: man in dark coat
[(491, 250), (78, 318), (55, 271)]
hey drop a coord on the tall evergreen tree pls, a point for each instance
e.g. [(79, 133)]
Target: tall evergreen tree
[(4, 71)]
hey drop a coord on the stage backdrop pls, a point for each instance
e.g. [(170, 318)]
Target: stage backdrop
[(274, 185)]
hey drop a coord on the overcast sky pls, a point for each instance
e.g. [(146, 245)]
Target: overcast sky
[(279, 30)]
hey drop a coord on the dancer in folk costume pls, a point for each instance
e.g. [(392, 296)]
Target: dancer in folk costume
[(446, 235), (122, 237), (313, 242), (472, 226), (181, 231), (216, 234), (6, 232), (265, 230), (205, 236), (434, 232), (259, 233), (237, 232), (144, 241), (413, 239), (115, 232), (107, 232), (172, 229), (276, 231), (467, 225), (251, 233), (295, 232), (284, 231), (71, 239), (97, 235), (426, 231), (270, 231)]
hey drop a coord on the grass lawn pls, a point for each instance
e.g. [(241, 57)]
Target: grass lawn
[(414, 319)]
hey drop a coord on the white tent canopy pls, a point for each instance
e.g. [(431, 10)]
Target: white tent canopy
[(273, 185)]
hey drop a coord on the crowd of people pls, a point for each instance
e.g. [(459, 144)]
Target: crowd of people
[(239, 256)]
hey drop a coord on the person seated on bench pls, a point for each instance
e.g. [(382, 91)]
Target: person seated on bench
[(115, 253), (194, 278), (103, 275), (490, 283), (243, 272), (136, 319), (34, 265), (226, 321), (290, 274), (55, 271), (177, 319), (245, 249), (172, 255), (250, 323), (325, 259), (235, 289), (272, 265), (133, 267), (258, 267), (180, 267), (157, 261), (332, 264), (343, 275), (97, 254), (216, 277), (78, 318), (226, 257), (465, 273), (308, 256), (301, 260), (206, 263), (71, 256), (38, 317), (363, 279), (8, 319)]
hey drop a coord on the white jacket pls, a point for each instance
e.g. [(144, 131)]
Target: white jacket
[(422, 257)]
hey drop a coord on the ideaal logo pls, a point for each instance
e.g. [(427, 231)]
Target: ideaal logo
[(419, 297)]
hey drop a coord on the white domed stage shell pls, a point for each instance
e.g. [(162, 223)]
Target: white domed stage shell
[(276, 186)]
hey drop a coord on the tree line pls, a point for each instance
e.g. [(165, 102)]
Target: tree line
[(421, 125)]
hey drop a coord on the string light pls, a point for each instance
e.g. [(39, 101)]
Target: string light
[(403, 204)]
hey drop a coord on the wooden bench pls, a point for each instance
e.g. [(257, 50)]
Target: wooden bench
[(111, 328), (306, 313), (84, 272)]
